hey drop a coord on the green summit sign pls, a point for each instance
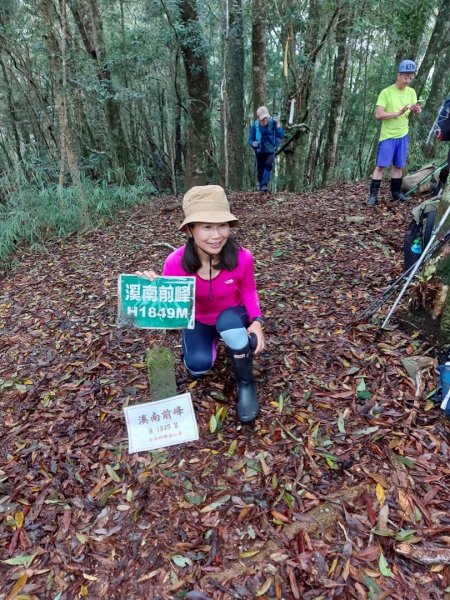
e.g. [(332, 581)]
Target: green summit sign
[(165, 303)]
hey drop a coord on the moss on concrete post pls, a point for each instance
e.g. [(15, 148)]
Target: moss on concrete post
[(161, 373)]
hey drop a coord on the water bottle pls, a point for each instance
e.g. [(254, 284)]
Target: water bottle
[(444, 396), (416, 247)]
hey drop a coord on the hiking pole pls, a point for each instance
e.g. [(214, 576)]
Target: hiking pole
[(437, 170), (444, 402), (378, 303), (416, 267)]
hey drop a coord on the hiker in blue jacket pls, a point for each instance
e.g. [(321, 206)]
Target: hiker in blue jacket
[(264, 138)]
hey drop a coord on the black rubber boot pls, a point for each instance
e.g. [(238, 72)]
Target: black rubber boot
[(439, 189), (247, 404), (443, 176), (374, 189), (396, 189)]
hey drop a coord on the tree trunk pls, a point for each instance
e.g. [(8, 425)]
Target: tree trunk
[(300, 88), (337, 94), (90, 26), (66, 132), (170, 145), (439, 42), (123, 43), (58, 61), (224, 112), (11, 109), (314, 144), (259, 24), (363, 133), (233, 117), (198, 169), (177, 117)]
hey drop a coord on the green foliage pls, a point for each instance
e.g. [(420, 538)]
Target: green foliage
[(6, 10), (31, 215), (443, 269), (148, 90)]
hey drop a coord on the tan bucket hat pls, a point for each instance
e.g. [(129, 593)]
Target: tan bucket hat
[(262, 113), (207, 204)]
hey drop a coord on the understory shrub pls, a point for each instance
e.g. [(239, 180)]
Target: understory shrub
[(32, 215)]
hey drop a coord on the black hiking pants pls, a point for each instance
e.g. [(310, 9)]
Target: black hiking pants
[(264, 166)]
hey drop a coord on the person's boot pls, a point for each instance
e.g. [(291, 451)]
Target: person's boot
[(373, 194), (396, 189), (443, 176), (439, 189), (247, 404)]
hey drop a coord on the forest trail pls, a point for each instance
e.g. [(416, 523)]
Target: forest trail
[(339, 419)]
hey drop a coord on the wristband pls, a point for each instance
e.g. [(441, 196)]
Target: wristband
[(259, 319)]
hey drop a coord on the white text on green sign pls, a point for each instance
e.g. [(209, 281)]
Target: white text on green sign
[(165, 303)]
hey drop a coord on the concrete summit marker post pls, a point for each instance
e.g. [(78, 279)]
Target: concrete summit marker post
[(161, 373)]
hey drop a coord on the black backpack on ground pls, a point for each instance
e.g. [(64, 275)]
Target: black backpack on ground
[(441, 127), (419, 231)]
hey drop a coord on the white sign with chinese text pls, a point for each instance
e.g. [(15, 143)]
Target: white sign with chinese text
[(161, 423)]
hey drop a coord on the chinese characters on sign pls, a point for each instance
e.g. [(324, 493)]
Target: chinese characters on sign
[(161, 423), (166, 303)]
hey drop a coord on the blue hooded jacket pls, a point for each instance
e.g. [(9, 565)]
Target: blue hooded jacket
[(268, 136)]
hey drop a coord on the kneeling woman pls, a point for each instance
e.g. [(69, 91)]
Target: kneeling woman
[(226, 300)]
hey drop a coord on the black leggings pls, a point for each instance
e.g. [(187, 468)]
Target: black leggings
[(200, 343)]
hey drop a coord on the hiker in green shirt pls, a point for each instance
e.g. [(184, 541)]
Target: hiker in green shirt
[(394, 105)]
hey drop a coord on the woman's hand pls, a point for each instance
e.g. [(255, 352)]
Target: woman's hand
[(148, 274), (257, 329)]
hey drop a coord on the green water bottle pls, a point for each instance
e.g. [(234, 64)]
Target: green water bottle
[(416, 247)]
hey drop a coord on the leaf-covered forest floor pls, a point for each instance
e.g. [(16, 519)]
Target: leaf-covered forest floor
[(337, 491)]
